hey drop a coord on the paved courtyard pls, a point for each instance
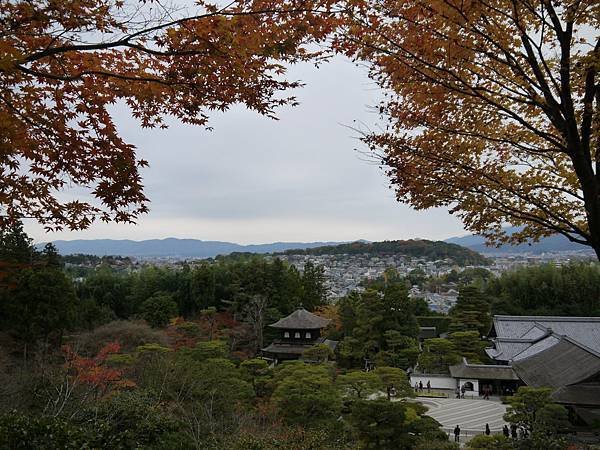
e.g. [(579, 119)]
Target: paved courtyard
[(470, 415)]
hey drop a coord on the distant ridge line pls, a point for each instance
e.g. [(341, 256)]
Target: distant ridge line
[(177, 248), (171, 247), (555, 243)]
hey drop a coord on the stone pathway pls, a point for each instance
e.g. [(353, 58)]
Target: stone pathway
[(470, 415)]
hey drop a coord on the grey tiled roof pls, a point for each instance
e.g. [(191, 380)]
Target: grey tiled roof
[(537, 347), (581, 394), (482, 371), (566, 362), (301, 319), (535, 332), (507, 348), (585, 330)]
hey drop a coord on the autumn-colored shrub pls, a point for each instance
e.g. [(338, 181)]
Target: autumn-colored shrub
[(129, 334)]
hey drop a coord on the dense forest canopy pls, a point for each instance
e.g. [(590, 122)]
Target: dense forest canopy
[(568, 290)]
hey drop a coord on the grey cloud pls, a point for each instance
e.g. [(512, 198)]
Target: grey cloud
[(254, 178)]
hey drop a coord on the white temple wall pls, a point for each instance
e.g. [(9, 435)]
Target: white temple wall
[(437, 381)]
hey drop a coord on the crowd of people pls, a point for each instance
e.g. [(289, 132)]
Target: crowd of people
[(512, 432)]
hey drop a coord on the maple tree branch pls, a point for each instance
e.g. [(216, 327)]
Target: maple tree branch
[(467, 89), (99, 73), (127, 39), (484, 190)]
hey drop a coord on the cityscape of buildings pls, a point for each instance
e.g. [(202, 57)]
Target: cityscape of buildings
[(346, 272)]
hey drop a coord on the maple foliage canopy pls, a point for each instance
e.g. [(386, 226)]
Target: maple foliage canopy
[(493, 109), (64, 63)]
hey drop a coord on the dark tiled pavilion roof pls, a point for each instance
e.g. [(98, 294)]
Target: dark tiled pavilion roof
[(565, 363), (280, 347), (301, 319), (579, 394)]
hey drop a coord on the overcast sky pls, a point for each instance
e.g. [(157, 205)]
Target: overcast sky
[(256, 180)]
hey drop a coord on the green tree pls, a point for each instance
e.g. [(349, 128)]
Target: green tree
[(15, 245), (130, 419), (314, 293), (107, 288), (206, 350), (22, 432), (492, 442), (540, 419), (318, 353), (348, 310), (417, 277), (469, 345), (360, 384), (471, 311), (350, 352), (306, 396), (42, 305), (159, 309), (379, 313), (379, 424), (395, 381), (399, 311), (438, 355), (403, 351), (256, 370), (210, 397)]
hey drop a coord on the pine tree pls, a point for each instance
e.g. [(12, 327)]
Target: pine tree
[(471, 312)]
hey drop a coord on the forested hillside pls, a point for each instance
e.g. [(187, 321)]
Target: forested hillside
[(163, 358), (418, 248)]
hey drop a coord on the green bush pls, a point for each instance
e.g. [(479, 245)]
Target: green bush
[(159, 309), (21, 432), (493, 442), (130, 419), (207, 350)]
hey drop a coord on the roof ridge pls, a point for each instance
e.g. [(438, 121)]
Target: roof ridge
[(547, 318), (515, 340), (578, 344), (549, 335)]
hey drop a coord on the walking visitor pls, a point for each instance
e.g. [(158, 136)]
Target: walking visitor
[(457, 434)]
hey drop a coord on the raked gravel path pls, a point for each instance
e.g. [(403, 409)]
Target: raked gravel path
[(470, 415)]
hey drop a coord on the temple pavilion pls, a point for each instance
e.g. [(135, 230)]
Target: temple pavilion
[(297, 332)]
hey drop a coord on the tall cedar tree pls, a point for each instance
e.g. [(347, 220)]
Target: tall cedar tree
[(493, 109), (314, 293), (471, 311)]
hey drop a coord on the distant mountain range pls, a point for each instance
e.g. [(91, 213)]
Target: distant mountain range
[(193, 248), (556, 243), (172, 247)]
